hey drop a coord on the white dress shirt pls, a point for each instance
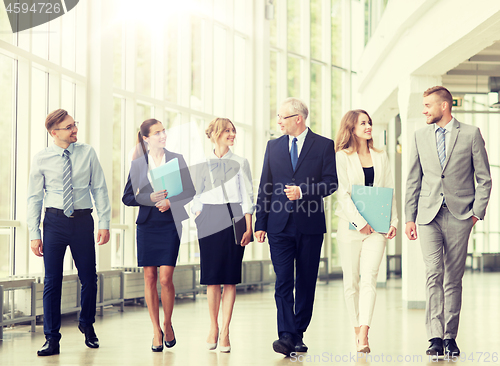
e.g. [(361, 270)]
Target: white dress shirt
[(152, 165), (300, 141), (238, 185)]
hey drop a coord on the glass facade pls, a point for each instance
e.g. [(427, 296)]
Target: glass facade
[(198, 65)]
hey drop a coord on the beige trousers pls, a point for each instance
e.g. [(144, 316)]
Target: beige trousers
[(360, 256)]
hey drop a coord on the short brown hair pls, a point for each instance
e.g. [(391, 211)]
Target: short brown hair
[(443, 93), (215, 128), (54, 118)]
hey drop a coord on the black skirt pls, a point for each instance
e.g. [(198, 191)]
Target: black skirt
[(220, 257), (157, 241)]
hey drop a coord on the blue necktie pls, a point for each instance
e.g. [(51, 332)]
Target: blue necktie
[(67, 186), (294, 154), (441, 146)]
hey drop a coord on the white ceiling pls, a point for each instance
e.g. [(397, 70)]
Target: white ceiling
[(471, 76)]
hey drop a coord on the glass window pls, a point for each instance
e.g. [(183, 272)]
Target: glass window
[(220, 10), (6, 124), (117, 186), (171, 54), (240, 66), (118, 64), (240, 15), (172, 118), (337, 84), (39, 110), (196, 63), (335, 255), (5, 28), (142, 113), (68, 96), (356, 44), (337, 44), (39, 40), (316, 115), (493, 147), (317, 29), (273, 83), (143, 61), (68, 35), (5, 262), (294, 25), (118, 252), (273, 25), (493, 211), (294, 75), (220, 85)]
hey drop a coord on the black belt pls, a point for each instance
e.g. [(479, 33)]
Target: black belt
[(76, 213)]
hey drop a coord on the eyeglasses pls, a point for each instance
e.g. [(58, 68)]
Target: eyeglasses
[(281, 117), (69, 128)]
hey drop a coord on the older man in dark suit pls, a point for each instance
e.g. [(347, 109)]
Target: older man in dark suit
[(298, 172)]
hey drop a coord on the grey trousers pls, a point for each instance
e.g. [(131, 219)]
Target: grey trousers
[(444, 249)]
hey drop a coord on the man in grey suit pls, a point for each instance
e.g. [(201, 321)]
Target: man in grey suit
[(442, 198)]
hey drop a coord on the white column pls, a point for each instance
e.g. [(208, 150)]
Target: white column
[(100, 97), (410, 96), (261, 96)]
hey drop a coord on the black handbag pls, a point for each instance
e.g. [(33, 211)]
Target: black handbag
[(239, 222)]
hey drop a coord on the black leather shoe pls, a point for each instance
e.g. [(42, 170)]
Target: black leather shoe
[(451, 348), (436, 347), (170, 344), (285, 344), (157, 348), (91, 340), (300, 346), (50, 347)]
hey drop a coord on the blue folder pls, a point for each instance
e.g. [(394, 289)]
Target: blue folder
[(167, 176), (375, 205)]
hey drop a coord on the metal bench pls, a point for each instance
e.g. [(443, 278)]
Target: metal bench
[(13, 285)]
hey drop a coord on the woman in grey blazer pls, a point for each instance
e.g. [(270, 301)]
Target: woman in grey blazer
[(361, 250)]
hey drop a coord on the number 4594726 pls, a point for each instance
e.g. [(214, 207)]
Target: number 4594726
[(473, 357), (35, 8)]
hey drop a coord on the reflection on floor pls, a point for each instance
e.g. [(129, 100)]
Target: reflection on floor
[(397, 335)]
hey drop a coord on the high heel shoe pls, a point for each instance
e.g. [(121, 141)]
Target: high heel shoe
[(212, 346), (362, 348), (170, 344), (225, 349), (157, 348)]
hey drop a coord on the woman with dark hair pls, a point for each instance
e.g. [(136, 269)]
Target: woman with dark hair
[(159, 225), (361, 250), (223, 189)]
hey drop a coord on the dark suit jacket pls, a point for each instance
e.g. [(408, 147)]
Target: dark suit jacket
[(138, 190), (315, 174)]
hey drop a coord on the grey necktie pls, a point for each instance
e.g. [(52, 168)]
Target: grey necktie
[(441, 146), (67, 186)]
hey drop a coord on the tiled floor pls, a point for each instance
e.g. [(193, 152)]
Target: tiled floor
[(397, 334)]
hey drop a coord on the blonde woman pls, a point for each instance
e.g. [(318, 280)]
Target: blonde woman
[(224, 181), (361, 250)]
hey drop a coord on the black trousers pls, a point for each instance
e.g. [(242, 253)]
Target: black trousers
[(60, 231), (292, 252)]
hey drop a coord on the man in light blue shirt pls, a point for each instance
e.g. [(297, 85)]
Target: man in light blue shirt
[(62, 177)]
